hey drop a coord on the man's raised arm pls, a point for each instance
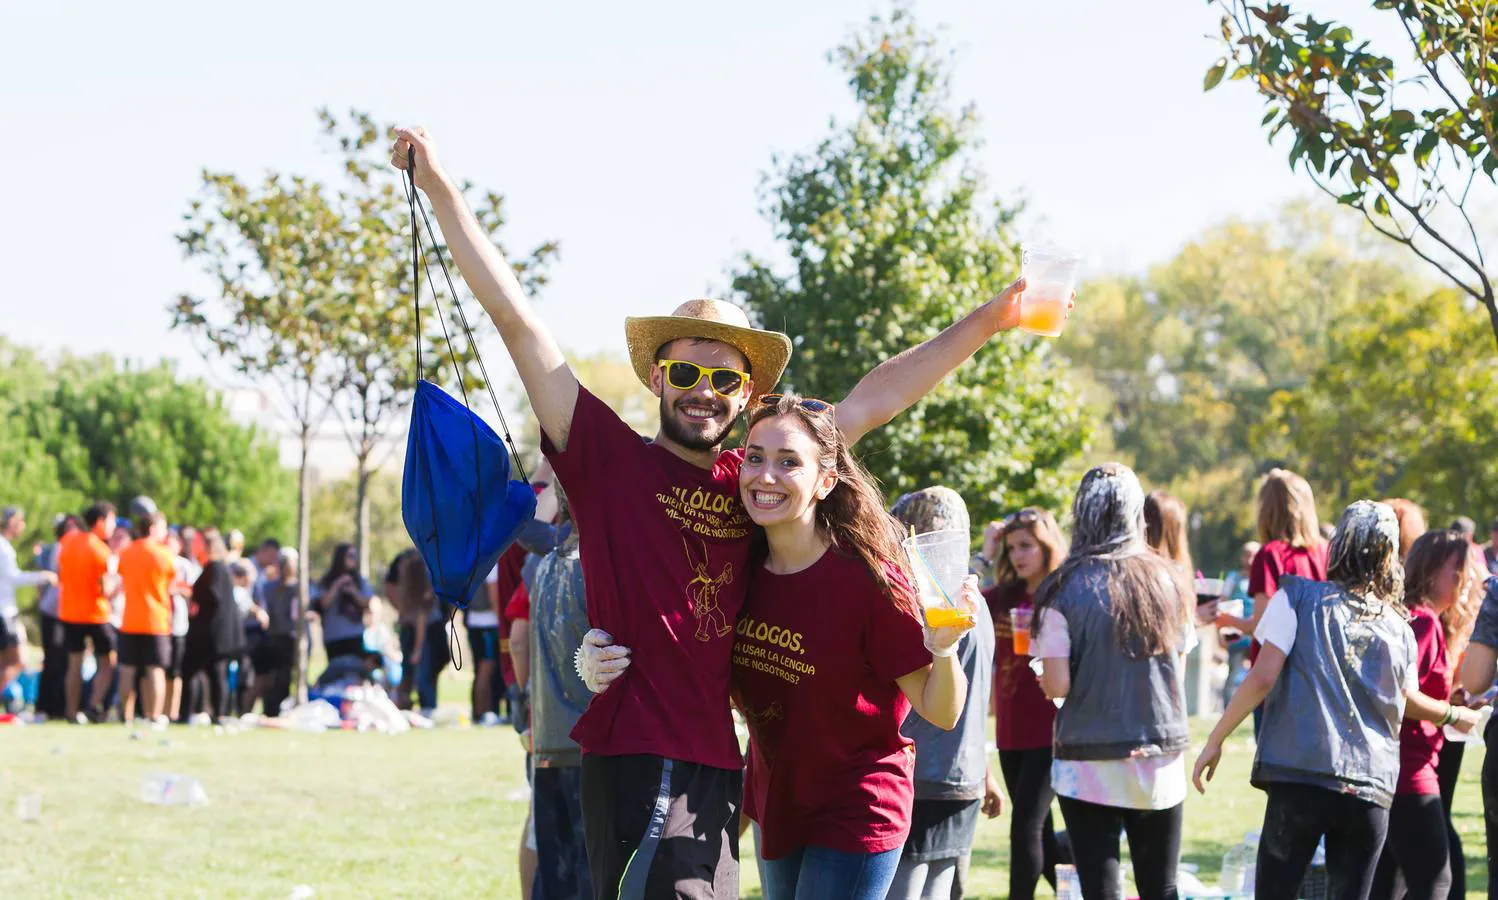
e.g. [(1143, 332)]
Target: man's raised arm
[(550, 384), (898, 382)]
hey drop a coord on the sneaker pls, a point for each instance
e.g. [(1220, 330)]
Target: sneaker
[(161, 723), (200, 719), (489, 719)]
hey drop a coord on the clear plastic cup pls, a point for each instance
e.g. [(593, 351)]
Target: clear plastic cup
[(939, 561), (1050, 275), (1019, 620)]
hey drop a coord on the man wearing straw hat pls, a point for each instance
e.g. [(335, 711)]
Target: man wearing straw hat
[(665, 545)]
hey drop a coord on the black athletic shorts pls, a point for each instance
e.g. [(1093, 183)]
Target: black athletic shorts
[(101, 635), (10, 631), (144, 651), (484, 642), (179, 652), (695, 809)]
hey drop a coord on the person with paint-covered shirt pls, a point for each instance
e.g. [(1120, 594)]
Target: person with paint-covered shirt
[(1337, 675), (1112, 629)]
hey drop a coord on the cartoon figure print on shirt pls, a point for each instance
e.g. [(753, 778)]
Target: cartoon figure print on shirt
[(702, 592)]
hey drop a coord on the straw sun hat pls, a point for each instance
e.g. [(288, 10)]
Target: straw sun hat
[(715, 320)]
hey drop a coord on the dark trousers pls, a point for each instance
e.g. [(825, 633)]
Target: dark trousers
[(1448, 770), (51, 696), (273, 661), (211, 675), (1154, 847), (1296, 818), (1417, 853), (561, 841), (1032, 834)]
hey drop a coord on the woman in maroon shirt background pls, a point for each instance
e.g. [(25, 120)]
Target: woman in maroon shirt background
[(1031, 547), (830, 656), (1417, 847)]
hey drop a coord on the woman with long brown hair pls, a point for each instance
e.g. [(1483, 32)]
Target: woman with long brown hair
[(1030, 546), (1417, 847), (1291, 544), (1113, 626), (831, 655), (1165, 529), (1458, 622)]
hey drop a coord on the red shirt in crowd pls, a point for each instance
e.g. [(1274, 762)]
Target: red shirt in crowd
[(506, 578), (815, 663), (664, 546), (1420, 742), (519, 606), (1024, 718), (1274, 561)]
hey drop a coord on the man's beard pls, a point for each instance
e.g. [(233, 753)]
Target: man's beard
[(684, 435)]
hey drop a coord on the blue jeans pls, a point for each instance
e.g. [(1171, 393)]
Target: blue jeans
[(816, 873)]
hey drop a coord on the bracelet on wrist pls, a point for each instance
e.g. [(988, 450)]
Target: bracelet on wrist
[(1450, 715)]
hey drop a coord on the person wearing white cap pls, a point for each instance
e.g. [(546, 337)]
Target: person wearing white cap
[(12, 526)]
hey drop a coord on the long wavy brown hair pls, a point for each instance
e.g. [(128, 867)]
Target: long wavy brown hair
[(1287, 510), (852, 515), (1165, 528), (1047, 533), (1429, 554), (1460, 617)]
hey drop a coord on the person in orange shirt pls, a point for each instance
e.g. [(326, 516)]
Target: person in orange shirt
[(87, 584), (148, 571)]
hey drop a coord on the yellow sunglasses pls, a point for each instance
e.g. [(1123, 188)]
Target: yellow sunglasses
[(684, 376)]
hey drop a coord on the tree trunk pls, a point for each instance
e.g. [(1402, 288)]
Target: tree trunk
[(1492, 305), (303, 540), (361, 528)]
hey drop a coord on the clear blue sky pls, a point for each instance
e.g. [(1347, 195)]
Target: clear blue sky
[(635, 134)]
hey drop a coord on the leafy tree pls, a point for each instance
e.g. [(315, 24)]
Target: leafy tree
[(90, 428), (1420, 423), (890, 240), (273, 252), (1184, 361), (1406, 159)]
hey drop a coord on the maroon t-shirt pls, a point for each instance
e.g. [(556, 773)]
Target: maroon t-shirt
[(1024, 718), (664, 547), (1274, 561), (814, 669), (1421, 742)]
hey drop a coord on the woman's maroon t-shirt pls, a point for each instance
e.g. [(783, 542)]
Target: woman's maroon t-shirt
[(664, 546), (1274, 561), (1024, 718), (814, 667), (1421, 742)]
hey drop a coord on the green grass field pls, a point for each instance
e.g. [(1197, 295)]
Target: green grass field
[(423, 814)]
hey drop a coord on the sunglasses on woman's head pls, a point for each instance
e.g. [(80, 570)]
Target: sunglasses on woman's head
[(684, 376), (810, 404)]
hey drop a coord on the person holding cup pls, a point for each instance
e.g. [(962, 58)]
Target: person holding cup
[(1029, 547), (830, 655), (1112, 629)]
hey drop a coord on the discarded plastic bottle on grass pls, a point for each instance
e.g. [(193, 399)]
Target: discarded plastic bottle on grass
[(165, 789)]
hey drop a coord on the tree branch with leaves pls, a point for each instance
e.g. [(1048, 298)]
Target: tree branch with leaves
[(1403, 151)]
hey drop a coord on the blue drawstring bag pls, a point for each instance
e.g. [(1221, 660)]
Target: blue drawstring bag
[(457, 500)]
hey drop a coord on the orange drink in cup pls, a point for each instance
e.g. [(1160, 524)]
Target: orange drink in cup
[(1050, 275), (1019, 619), (947, 617), (938, 560)]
